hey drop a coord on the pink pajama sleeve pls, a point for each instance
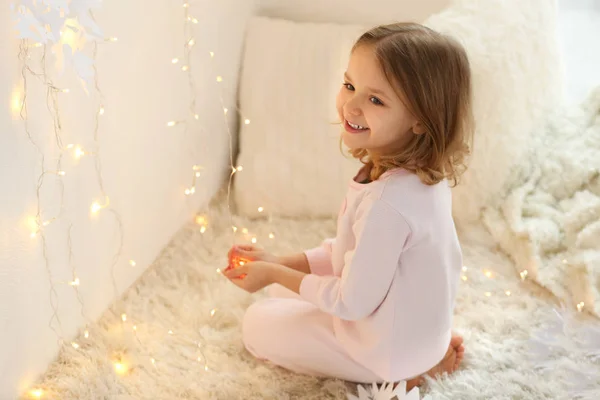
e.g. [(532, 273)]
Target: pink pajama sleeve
[(319, 258)]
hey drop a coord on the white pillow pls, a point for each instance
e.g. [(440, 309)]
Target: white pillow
[(292, 72), (290, 152)]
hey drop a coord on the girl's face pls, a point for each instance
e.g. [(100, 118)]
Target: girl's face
[(373, 116)]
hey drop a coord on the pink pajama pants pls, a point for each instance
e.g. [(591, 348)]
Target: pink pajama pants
[(296, 335)]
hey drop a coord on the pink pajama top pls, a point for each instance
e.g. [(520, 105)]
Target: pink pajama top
[(390, 276)]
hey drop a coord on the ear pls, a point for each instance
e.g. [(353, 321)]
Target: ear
[(418, 128)]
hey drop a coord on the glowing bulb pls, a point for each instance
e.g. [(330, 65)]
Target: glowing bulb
[(212, 312), (191, 42), (61, 173), (206, 368), (240, 168), (580, 306), (245, 230), (247, 121), (33, 235), (16, 101), (79, 153), (75, 345), (464, 278), (212, 54), (201, 220), (36, 393), (271, 236), (565, 262), (488, 274), (65, 90), (124, 317), (260, 209), (95, 208), (70, 146), (186, 5), (488, 294), (135, 327), (219, 78), (185, 68), (218, 270), (171, 123), (241, 263), (507, 292), (113, 39), (234, 228), (195, 20), (175, 60), (132, 263), (120, 368), (101, 111), (203, 229), (523, 274), (199, 359), (225, 111), (170, 332), (464, 268), (153, 361), (197, 174), (37, 45), (196, 116), (86, 334), (253, 240), (75, 282)]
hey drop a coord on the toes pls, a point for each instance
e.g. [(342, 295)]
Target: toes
[(456, 341)]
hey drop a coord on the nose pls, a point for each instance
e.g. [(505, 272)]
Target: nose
[(352, 107)]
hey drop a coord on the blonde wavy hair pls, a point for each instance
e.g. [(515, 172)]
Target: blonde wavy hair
[(430, 73)]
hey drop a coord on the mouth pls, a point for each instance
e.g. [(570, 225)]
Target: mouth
[(354, 128)]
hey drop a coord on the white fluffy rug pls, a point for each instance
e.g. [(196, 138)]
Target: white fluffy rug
[(187, 341)]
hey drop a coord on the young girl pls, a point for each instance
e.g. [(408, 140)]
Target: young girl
[(375, 304)]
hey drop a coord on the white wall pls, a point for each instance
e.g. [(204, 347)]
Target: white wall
[(146, 167)]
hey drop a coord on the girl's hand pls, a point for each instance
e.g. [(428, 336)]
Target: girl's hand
[(252, 253), (254, 275)]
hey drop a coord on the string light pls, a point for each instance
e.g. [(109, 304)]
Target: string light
[(488, 294), (523, 274), (247, 121), (234, 228), (245, 231), (170, 332), (507, 292), (74, 282), (212, 54), (124, 317), (488, 273), (580, 306), (464, 268), (254, 240), (75, 345), (120, 368), (185, 68), (101, 111), (175, 60), (36, 393), (271, 236), (191, 42), (132, 263), (213, 312), (16, 102), (171, 124), (260, 209), (219, 79), (86, 334), (464, 278)]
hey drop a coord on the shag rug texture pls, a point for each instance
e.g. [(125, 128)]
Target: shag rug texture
[(524, 337)]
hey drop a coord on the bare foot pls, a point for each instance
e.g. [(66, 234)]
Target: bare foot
[(449, 363)]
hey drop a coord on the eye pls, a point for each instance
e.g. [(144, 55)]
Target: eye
[(376, 101), (348, 86)]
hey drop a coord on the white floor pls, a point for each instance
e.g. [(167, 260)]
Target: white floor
[(579, 35)]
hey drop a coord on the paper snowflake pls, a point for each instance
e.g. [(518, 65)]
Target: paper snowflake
[(386, 391), (67, 25)]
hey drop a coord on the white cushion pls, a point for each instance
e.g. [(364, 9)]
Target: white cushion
[(290, 153), (292, 72), (361, 12)]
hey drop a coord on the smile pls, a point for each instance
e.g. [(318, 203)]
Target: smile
[(354, 128)]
